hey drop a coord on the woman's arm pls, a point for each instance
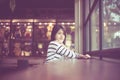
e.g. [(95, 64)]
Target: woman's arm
[(62, 50)]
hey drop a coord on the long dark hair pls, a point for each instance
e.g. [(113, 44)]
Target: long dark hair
[(55, 29)]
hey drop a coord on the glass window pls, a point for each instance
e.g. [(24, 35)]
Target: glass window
[(95, 28), (28, 37), (111, 21), (42, 34), (70, 29), (4, 37), (21, 37)]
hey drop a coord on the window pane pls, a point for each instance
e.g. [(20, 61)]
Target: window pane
[(95, 28), (111, 17), (4, 37), (21, 37)]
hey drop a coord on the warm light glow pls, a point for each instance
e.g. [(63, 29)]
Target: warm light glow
[(68, 23), (50, 24), (4, 20), (97, 30), (22, 20), (105, 24), (115, 23), (22, 54), (29, 27), (63, 23), (28, 23), (1, 23), (27, 53), (29, 30), (7, 27), (40, 23), (42, 52), (18, 23), (25, 24), (7, 23), (40, 46), (45, 23), (49, 30), (73, 23), (72, 27)]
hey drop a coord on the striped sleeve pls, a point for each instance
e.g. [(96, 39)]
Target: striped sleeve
[(51, 51), (66, 52), (52, 47)]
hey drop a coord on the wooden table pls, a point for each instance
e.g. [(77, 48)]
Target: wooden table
[(91, 69)]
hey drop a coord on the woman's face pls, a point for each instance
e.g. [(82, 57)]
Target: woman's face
[(60, 36)]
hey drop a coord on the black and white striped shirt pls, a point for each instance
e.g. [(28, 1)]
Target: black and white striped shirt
[(57, 51)]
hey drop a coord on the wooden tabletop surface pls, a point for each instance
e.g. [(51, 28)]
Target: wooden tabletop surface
[(71, 69)]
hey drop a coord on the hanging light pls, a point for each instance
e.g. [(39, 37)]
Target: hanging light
[(12, 5)]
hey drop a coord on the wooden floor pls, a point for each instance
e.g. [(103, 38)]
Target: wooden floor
[(92, 69)]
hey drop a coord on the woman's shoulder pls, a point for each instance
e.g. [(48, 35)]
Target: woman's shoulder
[(54, 43)]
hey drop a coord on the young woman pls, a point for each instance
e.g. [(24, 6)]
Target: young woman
[(57, 50)]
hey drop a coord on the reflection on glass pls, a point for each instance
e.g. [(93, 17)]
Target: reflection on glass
[(21, 37), (4, 37), (28, 35)]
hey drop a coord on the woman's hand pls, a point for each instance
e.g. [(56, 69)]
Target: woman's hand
[(87, 56), (81, 56)]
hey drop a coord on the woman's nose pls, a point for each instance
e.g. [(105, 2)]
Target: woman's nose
[(62, 35)]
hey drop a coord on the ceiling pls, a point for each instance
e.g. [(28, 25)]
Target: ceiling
[(39, 3), (37, 8)]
